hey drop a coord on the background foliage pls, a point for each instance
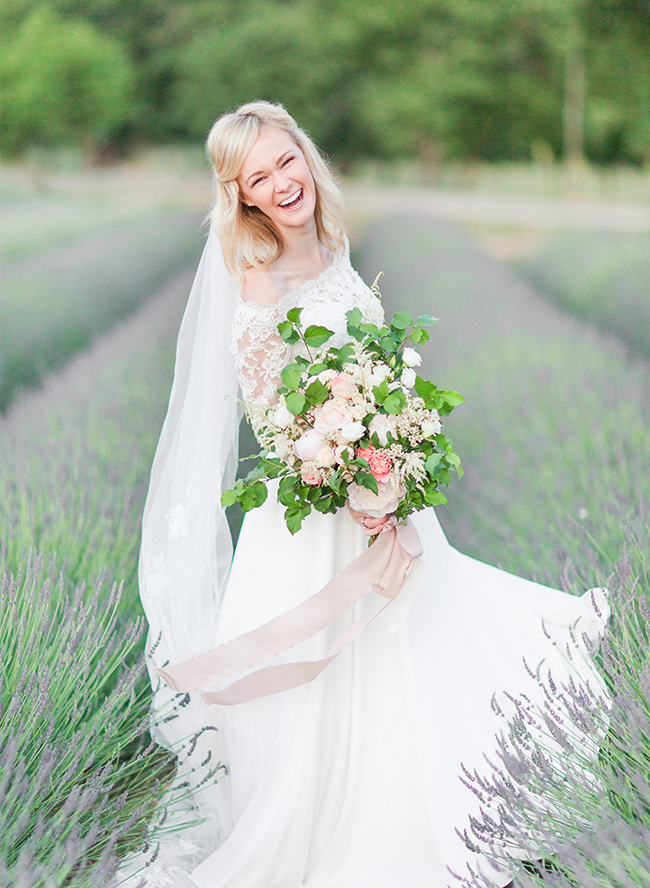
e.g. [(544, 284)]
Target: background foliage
[(430, 78)]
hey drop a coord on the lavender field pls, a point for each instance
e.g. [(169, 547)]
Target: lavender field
[(555, 440)]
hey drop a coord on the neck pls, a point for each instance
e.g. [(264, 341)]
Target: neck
[(302, 249)]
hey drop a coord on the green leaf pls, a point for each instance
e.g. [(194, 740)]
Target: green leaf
[(295, 402), (389, 345), (316, 336), (324, 504), (426, 320), (355, 319), (431, 462), (294, 516), (253, 496), (394, 403), (424, 388), (291, 376), (315, 369), (401, 320), (369, 330), (453, 398), (317, 393), (365, 479), (228, 498), (293, 315), (381, 392), (288, 333), (435, 498)]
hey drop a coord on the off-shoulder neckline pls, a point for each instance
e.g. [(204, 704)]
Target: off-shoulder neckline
[(337, 260)]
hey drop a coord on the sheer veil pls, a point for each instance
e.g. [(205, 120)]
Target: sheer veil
[(186, 544)]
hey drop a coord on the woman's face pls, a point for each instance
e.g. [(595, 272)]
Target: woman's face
[(276, 179)]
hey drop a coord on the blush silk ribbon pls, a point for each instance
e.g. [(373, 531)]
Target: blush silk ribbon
[(383, 568)]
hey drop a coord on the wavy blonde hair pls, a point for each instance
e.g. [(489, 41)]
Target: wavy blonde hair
[(249, 239)]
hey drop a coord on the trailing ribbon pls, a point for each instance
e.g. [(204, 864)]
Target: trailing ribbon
[(383, 568)]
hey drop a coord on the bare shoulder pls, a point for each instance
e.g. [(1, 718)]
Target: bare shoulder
[(263, 286)]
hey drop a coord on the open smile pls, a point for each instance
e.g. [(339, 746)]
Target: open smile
[(293, 201)]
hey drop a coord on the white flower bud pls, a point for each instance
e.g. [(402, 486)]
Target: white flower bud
[(408, 377), (411, 358)]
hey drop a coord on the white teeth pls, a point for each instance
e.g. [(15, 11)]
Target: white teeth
[(291, 199)]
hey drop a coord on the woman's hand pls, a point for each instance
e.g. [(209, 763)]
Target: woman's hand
[(371, 526)]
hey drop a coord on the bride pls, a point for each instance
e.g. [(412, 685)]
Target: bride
[(351, 780)]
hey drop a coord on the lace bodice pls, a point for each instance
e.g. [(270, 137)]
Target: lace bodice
[(261, 354)]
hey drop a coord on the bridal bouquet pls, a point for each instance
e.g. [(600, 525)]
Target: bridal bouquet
[(354, 424)]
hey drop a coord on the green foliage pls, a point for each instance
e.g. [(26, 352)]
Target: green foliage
[(422, 78), (63, 81)]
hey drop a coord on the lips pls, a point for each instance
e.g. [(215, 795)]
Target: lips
[(293, 201)]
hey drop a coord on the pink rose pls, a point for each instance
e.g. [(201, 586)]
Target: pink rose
[(310, 474), (380, 465), (308, 445), (332, 415), (343, 386), (365, 452)]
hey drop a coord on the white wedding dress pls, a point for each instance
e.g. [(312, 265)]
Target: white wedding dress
[(353, 780)]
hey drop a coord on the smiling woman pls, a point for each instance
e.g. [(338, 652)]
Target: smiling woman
[(308, 802)]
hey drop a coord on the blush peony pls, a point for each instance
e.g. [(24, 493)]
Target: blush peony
[(385, 501), (343, 386), (332, 415), (326, 457), (308, 445)]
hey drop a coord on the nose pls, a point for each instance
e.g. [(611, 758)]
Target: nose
[(282, 181)]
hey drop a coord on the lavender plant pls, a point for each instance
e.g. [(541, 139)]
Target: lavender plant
[(76, 774), (570, 424), (553, 793), (55, 303), (75, 456)]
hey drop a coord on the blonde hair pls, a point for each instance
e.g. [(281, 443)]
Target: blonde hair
[(249, 239)]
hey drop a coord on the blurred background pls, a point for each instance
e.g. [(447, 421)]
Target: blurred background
[(436, 80)]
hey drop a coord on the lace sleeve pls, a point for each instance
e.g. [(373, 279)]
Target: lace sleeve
[(260, 353)]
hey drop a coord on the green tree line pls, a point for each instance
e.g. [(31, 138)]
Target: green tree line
[(435, 79)]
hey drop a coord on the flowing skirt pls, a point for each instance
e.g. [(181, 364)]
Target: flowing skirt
[(354, 780)]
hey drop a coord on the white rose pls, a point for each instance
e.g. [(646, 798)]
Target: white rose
[(411, 358), (381, 425), (283, 417), (408, 377), (352, 431), (430, 427), (376, 505), (379, 373), (326, 375)]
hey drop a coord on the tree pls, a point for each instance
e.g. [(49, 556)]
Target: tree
[(64, 82)]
